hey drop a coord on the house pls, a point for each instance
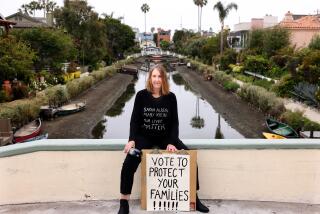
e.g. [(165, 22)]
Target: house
[(302, 28), (5, 25), (163, 35), (238, 38), (25, 21)]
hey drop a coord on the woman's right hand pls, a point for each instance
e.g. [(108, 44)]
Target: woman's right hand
[(128, 146)]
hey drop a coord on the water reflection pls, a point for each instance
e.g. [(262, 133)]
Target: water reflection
[(219, 134), (99, 130), (192, 125), (117, 107), (196, 121)]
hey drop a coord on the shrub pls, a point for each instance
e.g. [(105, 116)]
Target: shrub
[(297, 121), (276, 72), (20, 91), (221, 77), (57, 95), (3, 96), (266, 101), (231, 86), (284, 86), (315, 43), (256, 64), (263, 83), (236, 68), (229, 57)]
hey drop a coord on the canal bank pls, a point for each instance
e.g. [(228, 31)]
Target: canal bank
[(242, 117), (99, 99)]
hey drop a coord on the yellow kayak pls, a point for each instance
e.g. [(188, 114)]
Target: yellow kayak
[(272, 136)]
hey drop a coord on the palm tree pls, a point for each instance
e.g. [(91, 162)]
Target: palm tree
[(223, 13), (200, 4), (145, 8)]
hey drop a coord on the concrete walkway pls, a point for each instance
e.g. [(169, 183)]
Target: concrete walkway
[(110, 207)]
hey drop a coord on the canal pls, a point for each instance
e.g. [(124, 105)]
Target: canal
[(197, 118)]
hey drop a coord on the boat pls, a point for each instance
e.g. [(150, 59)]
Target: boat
[(39, 137), (272, 136), (47, 112), (282, 129), (28, 131), (310, 134), (70, 108)]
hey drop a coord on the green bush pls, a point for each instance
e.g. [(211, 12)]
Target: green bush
[(266, 101), (276, 72), (297, 121), (263, 83), (57, 95), (3, 96), (221, 77), (229, 57), (310, 68), (284, 86), (256, 64), (315, 43), (231, 86)]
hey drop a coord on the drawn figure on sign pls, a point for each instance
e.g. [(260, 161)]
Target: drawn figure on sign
[(154, 123)]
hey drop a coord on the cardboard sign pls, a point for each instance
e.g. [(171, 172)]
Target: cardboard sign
[(168, 181)]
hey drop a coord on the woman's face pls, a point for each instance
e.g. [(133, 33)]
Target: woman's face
[(156, 79)]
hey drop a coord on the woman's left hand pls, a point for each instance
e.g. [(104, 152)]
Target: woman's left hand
[(171, 148)]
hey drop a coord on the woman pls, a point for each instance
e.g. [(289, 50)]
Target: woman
[(154, 123)]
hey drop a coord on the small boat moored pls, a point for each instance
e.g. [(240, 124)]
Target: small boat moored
[(272, 136), (28, 131), (282, 129), (70, 108)]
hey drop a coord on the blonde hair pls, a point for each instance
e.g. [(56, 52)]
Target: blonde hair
[(165, 89)]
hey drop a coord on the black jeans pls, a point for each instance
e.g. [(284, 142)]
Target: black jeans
[(131, 163)]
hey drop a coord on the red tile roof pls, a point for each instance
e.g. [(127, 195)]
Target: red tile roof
[(306, 22)]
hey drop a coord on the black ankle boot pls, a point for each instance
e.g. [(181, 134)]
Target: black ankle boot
[(200, 206), (124, 207)]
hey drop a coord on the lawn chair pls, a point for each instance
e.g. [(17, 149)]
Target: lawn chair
[(6, 133)]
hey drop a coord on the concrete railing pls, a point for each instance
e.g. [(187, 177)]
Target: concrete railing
[(244, 169)]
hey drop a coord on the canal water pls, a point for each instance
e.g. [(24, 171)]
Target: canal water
[(197, 118)]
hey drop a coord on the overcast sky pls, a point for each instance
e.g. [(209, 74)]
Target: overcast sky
[(172, 14)]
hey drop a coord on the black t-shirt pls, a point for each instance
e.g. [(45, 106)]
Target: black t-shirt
[(155, 117)]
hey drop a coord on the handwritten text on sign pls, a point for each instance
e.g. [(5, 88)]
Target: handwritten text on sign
[(168, 182)]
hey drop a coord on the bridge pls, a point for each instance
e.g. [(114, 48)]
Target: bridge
[(250, 171)]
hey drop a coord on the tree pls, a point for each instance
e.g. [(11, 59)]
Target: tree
[(16, 60), (315, 43), (79, 20), (145, 8), (223, 13), (52, 46), (120, 37), (200, 4), (31, 7), (164, 45)]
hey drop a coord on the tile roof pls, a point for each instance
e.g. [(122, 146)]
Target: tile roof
[(305, 22)]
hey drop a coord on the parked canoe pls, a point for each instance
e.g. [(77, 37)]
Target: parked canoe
[(310, 134), (282, 129), (272, 136), (39, 137), (28, 131), (70, 108)]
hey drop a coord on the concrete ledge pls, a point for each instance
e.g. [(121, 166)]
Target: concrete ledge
[(73, 170), (117, 145)]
